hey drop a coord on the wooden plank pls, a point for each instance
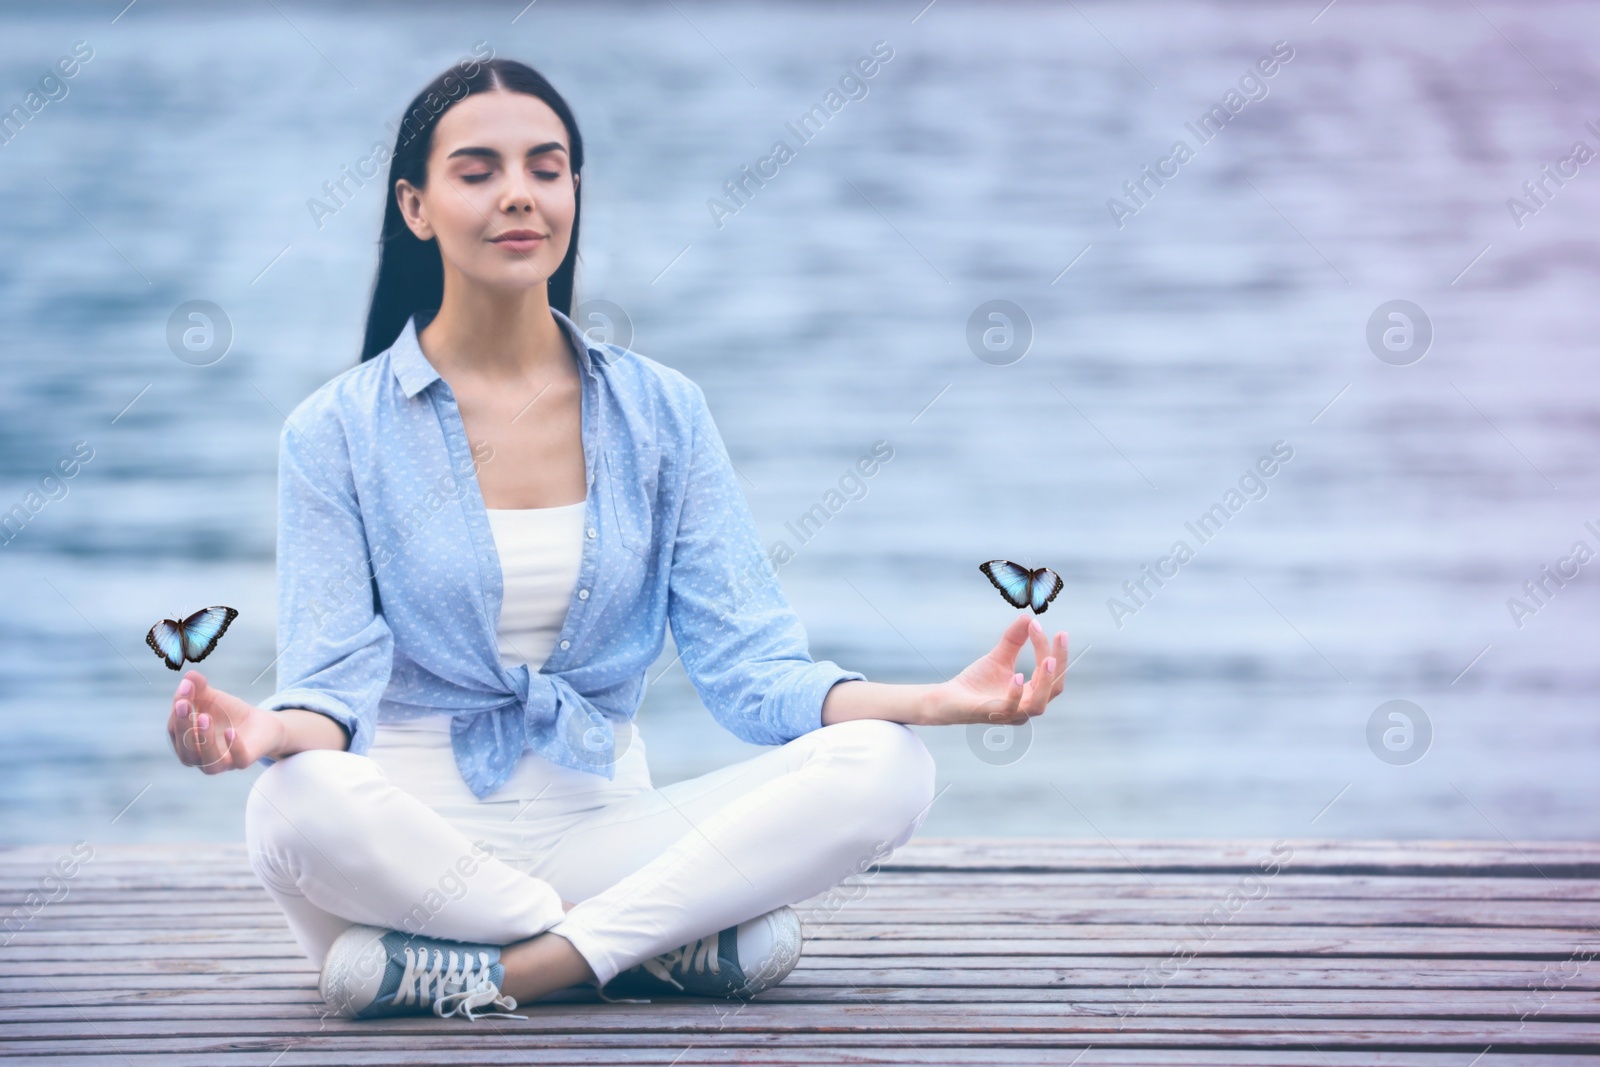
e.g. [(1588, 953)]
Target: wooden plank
[(635, 1026), (236, 877), (310, 1054), (1552, 945), (996, 908), (992, 973), (242, 889), (942, 940), (1348, 857), (1577, 1006), (1486, 858), (960, 951)]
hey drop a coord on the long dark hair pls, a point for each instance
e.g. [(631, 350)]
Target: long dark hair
[(410, 273)]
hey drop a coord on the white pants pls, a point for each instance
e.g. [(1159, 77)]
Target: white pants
[(336, 843)]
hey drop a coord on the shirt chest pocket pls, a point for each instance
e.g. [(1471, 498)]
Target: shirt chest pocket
[(633, 475)]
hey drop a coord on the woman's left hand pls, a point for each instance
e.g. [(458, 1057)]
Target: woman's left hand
[(991, 690)]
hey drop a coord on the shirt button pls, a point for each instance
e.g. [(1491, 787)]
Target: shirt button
[(566, 644), (591, 531), (583, 594)]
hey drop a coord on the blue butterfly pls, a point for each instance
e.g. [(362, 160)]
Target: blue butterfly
[(1021, 587), (192, 639)]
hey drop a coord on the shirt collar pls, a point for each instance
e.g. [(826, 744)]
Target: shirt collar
[(414, 373)]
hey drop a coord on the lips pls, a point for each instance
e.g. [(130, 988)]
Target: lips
[(517, 237)]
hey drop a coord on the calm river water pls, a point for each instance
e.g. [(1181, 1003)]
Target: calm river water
[(1173, 338)]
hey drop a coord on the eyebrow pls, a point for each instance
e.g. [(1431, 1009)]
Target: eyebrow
[(490, 153)]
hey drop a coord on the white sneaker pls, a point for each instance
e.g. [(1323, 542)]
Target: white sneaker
[(739, 962), (372, 972)]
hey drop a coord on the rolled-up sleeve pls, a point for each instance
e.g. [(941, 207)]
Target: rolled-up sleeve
[(335, 650), (743, 646)]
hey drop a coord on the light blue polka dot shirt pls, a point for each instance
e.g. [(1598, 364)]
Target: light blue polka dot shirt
[(389, 584)]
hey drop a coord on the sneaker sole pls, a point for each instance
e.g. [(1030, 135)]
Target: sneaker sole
[(783, 925), (355, 959)]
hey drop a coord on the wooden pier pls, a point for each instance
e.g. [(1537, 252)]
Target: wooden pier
[(956, 951)]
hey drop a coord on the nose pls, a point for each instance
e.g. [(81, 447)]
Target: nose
[(518, 194)]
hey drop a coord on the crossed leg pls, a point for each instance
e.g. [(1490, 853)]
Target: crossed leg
[(335, 843), (660, 869)]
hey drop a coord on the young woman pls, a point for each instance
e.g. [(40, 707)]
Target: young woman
[(484, 530)]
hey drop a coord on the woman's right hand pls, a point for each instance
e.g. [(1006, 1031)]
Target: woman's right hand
[(217, 731), (992, 690)]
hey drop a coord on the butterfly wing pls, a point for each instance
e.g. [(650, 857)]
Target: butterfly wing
[(1014, 582), (203, 629), (167, 642), (1046, 584)]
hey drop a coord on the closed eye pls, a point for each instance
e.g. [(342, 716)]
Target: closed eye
[(476, 179)]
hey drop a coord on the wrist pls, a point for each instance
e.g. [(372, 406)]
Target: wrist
[(279, 736), (929, 704), (910, 704)]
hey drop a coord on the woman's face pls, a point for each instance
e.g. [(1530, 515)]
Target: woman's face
[(498, 167)]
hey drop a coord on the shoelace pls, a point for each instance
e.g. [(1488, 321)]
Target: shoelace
[(457, 989), (698, 956)]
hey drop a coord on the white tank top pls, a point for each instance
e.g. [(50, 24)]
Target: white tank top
[(541, 551)]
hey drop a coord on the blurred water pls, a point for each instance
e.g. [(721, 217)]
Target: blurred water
[(830, 312)]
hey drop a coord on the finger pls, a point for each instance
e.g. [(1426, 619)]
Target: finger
[(1041, 644), (180, 724), (1060, 647), (201, 737), (187, 734), (211, 743), (1044, 676), (1019, 711), (178, 721), (1033, 699), (191, 736), (223, 738), (1041, 647), (1005, 711), (172, 717), (187, 731), (213, 748), (1012, 640), (199, 689), (1052, 681)]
